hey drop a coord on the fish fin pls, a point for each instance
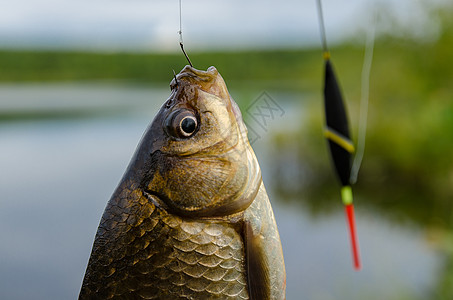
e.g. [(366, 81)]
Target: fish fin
[(257, 266)]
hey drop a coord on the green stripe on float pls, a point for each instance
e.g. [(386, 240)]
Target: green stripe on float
[(346, 195), (339, 139)]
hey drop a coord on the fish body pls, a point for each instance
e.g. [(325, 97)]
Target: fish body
[(190, 218)]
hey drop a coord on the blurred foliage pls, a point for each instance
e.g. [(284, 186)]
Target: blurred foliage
[(247, 66)]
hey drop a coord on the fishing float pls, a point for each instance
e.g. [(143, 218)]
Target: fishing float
[(338, 137)]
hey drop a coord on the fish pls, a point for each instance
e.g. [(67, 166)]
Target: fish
[(190, 218)]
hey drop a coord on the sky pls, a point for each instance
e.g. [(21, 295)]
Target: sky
[(152, 25)]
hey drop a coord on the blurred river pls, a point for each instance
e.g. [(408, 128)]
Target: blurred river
[(64, 147)]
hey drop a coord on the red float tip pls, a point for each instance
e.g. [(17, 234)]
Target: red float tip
[(353, 236)]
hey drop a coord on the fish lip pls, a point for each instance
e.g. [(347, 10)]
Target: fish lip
[(191, 72), (188, 70)]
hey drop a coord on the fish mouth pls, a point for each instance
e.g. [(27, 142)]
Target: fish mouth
[(191, 75), (207, 81)]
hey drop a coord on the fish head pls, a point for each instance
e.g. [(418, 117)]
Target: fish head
[(195, 158)]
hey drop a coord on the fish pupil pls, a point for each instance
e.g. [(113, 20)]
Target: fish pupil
[(188, 125)]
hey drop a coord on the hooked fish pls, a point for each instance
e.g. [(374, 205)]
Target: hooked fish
[(190, 218)]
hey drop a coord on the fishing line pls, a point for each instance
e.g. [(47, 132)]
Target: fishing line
[(181, 43), (364, 99), (322, 29)]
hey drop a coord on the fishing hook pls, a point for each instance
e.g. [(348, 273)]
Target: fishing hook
[(185, 54), (176, 79)]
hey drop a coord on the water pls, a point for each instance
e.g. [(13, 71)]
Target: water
[(56, 175)]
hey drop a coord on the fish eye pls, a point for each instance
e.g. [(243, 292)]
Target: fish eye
[(188, 125), (181, 123)]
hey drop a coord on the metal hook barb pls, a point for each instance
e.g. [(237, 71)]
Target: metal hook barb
[(185, 54), (176, 79)]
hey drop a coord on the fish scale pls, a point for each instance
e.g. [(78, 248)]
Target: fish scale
[(171, 252)]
